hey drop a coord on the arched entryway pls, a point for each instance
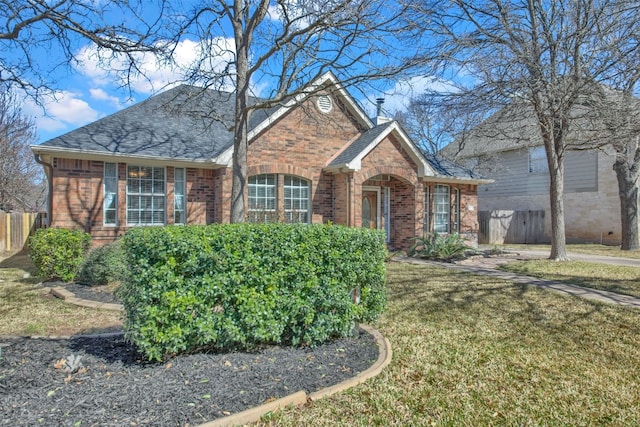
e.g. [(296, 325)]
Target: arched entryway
[(388, 203)]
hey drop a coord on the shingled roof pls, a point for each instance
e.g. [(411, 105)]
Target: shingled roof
[(176, 124), (447, 169), (355, 149)]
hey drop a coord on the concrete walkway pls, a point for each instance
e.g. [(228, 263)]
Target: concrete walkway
[(587, 293), (630, 262)]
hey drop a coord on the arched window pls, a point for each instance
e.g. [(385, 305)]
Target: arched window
[(296, 199), (266, 190)]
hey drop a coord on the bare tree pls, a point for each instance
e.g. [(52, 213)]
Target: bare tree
[(21, 181), (434, 123), (617, 118), (285, 45), (37, 37), (540, 55)]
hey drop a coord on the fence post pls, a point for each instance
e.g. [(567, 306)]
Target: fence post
[(8, 236)]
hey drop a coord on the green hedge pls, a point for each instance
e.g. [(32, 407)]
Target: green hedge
[(57, 252), (104, 265), (230, 286)]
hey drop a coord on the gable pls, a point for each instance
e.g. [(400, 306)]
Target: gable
[(352, 155), (305, 135), (390, 153)]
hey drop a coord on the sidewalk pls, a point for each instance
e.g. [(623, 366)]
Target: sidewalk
[(587, 293), (630, 262)]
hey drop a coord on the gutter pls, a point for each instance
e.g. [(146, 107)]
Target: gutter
[(49, 174)]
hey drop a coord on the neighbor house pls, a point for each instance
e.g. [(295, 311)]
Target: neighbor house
[(509, 150), (315, 159)]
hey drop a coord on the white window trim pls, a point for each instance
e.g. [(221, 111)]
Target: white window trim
[(147, 194), (183, 187), (436, 213), (427, 209), (455, 210), (387, 213), (104, 194), (308, 198), (275, 195)]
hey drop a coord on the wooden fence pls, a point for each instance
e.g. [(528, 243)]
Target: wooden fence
[(15, 229), (498, 227)]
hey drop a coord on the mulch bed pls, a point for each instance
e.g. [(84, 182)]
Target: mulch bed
[(113, 386)]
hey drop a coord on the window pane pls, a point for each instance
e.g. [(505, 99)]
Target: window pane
[(296, 199), (262, 198), (146, 197), (442, 209), (110, 193), (538, 160)]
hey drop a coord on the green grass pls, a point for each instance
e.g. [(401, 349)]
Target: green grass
[(477, 351), (588, 249), (27, 308), (614, 278)]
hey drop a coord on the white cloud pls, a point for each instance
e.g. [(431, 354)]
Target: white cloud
[(60, 110), (156, 74), (101, 95)]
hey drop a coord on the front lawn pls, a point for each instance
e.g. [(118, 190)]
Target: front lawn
[(472, 350), (27, 308), (468, 350)]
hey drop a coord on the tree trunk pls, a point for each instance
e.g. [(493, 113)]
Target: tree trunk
[(241, 115), (628, 191), (558, 240)]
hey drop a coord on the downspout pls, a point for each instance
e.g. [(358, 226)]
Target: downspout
[(49, 173)]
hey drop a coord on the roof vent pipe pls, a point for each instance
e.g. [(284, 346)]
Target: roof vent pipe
[(380, 118), (379, 103)]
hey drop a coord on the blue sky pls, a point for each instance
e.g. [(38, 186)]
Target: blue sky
[(85, 92)]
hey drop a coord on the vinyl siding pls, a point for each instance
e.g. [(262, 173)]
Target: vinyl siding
[(510, 170)]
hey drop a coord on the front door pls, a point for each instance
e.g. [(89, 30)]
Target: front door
[(370, 209)]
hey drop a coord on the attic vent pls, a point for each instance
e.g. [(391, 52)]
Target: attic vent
[(324, 104)]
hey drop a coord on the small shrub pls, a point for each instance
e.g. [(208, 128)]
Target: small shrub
[(439, 247), (229, 286), (104, 265), (57, 252)]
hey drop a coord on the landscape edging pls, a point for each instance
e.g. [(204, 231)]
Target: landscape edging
[(299, 398)]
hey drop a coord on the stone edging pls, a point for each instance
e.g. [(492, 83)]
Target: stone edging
[(70, 297), (300, 398)]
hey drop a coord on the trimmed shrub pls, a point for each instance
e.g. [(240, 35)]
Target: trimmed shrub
[(57, 252), (230, 286), (104, 265), (439, 247)]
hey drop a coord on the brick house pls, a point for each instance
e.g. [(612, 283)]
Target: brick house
[(316, 159)]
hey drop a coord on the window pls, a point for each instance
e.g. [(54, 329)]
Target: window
[(264, 193), (296, 199), (110, 192), (427, 205), (538, 160), (179, 190), (262, 198), (441, 201), (455, 208), (146, 198)]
